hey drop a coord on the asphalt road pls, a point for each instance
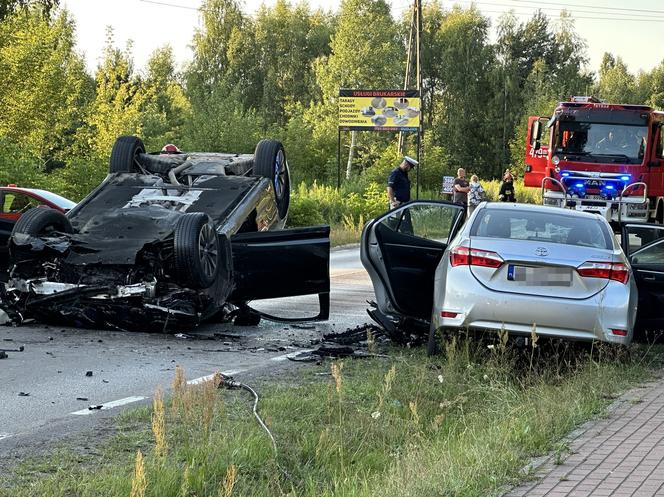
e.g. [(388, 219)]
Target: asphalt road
[(46, 390)]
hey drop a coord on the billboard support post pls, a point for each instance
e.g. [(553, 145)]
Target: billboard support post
[(339, 158), (419, 148)]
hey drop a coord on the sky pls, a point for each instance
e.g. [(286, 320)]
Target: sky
[(631, 30)]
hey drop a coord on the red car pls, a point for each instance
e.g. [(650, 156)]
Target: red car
[(15, 201)]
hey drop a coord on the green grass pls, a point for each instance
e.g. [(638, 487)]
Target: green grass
[(461, 424)]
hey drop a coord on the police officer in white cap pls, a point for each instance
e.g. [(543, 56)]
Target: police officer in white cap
[(398, 183)]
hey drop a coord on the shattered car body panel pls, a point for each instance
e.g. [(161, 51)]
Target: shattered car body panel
[(168, 243)]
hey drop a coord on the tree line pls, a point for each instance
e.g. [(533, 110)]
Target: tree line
[(277, 73)]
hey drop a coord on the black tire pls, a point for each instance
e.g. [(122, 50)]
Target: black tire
[(41, 221), (124, 154), (270, 162), (432, 345), (197, 251)]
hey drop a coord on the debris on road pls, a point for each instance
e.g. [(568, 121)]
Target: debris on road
[(304, 326), (95, 407), (85, 399), (88, 373), (355, 335), (3, 352), (24, 394), (20, 349), (183, 336), (352, 342)]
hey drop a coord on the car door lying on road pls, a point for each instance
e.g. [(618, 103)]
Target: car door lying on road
[(644, 246), (401, 250)]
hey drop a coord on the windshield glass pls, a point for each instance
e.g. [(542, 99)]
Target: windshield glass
[(601, 142), (56, 199), (552, 227)]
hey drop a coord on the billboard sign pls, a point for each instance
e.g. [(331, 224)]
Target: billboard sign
[(379, 110)]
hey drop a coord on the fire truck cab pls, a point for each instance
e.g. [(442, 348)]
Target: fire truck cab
[(598, 157)]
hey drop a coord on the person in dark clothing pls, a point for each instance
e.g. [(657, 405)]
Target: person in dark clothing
[(507, 193), (461, 187), (398, 184)]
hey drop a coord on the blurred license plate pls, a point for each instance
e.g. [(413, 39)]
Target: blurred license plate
[(540, 276)]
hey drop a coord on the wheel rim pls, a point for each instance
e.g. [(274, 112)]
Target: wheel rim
[(208, 250), (135, 160), (280, 174)]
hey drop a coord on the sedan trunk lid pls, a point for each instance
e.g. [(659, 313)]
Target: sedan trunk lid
[(540, 268)]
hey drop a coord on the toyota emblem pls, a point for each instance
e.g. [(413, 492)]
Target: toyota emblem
[(541, 251)]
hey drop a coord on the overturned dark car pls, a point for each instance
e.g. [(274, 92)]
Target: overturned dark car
[(167, 240)]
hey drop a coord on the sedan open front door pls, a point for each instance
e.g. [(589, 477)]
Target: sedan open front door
[(401, 250), (644, 246)]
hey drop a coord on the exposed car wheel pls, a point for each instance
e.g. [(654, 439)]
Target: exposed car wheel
[(197, 251), (124, 154), (432, 345), (41, 221), (37, 221), (270, 162)]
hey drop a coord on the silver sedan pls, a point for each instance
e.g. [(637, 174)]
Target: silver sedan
[(512, 267)]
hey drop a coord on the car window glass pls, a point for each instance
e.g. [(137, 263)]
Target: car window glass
[(14, 203), (428, 221), (651, 254), (542, 227), (660, 144), (639, 237)]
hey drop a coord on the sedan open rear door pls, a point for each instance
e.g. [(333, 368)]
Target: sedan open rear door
[(644, 246), (401, 250), (283, 263)]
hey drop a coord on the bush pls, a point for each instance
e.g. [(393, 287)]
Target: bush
[(304, 211), (316, 204)]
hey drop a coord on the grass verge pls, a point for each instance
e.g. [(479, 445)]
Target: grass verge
[(464, 423)]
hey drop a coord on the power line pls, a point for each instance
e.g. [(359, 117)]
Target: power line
[(570, 11), (596, 18), (166, 4), (591, 6)]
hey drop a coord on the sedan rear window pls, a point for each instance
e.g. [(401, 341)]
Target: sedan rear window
[(542, 226)]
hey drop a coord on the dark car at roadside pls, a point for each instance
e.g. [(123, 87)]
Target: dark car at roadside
[(168, 240)]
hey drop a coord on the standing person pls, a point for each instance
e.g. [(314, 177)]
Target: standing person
[(507, 188), (475, 195), (461, 188), (398, 183)]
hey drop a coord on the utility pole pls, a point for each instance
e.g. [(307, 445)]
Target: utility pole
[(413, 58)]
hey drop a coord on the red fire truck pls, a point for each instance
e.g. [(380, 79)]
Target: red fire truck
[(598, 157)]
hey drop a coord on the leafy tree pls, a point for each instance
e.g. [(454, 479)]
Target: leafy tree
[(118, 102), (43, 85), (460, 125), (366, 52), (9, 7), (287, 41), (166, 107), (616, 84)]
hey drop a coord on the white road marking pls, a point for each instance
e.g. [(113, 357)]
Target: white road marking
[(285, 357), (109, 405), (203, 379), (130, 400), (5, 435)]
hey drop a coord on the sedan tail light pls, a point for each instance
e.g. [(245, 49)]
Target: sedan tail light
[(465, 256), (616, 271)]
